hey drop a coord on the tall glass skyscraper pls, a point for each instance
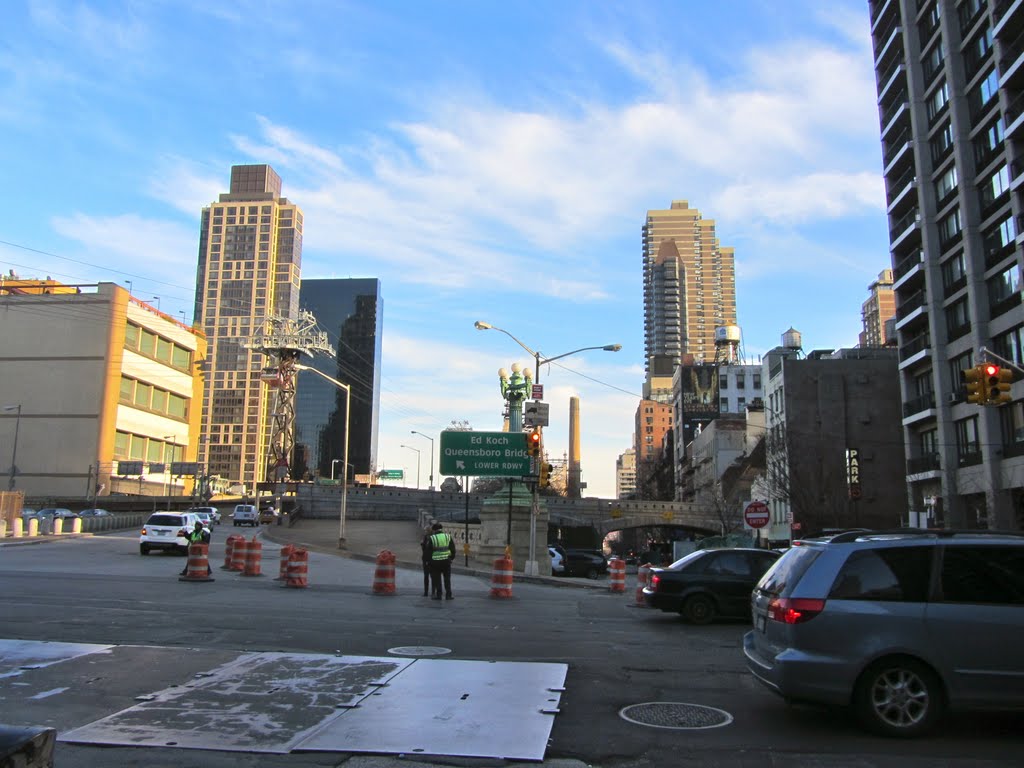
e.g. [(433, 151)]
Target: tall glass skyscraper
[(350, 311)]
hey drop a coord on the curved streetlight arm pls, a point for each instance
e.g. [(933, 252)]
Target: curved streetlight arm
[(417, 432), (348, 411), (538, 359)]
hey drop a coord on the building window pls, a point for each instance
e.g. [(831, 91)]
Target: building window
[(757, 380), (957, 319), (959, 364), (949, 227), (942, 143), (1010, 345), (933, 60), (968, 447), (1012, 423), (946, 185), (741, 381), (954, 273), (983, 93), (723, 381), (1004, 289), (723, 404), (936, 103)]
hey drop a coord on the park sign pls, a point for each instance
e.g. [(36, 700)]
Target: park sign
[(484, 454)]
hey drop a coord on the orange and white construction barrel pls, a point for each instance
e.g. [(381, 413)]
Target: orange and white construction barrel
[(643, 576), (384, 574), (198, 568), (286, 553), (298, 569), (616, 575), (253, 558), (501, 578)]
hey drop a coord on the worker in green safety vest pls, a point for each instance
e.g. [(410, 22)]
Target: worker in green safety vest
[(442, 548)]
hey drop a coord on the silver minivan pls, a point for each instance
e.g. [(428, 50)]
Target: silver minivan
[(903, 626)]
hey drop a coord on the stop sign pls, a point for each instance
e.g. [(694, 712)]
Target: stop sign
[(756, 514)]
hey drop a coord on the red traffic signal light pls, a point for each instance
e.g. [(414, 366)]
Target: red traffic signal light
[(533, 443), (999, 382)]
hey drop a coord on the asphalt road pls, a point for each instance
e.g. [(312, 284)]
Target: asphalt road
[(99, 590)]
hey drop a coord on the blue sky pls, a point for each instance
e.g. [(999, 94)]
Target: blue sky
[(486, 160)]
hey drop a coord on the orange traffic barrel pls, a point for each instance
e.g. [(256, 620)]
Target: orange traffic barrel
[(384, 575), (298, 569), (238, 554), (229, 549), (198, 568), (286, 553), (643, 575), (253, 558), (501, 578), (617, 572)]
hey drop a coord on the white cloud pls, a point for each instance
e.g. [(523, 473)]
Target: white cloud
[(795, 200)]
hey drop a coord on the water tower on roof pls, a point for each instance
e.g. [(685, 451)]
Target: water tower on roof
[(792, 339), (727, 344)]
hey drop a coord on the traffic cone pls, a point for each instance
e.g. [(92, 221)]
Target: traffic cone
[(384, 575), (229, 547), (501, 578)]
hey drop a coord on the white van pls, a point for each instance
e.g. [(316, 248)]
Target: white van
[(245, 514)]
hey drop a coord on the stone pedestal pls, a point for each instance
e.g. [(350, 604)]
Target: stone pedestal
[(494, 527)]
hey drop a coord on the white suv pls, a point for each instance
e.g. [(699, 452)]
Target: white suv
[(245, 514), (167, 531)]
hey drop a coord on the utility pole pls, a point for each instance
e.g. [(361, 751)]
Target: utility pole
[(284, 340)]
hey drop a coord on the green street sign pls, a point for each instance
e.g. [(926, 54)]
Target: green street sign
[(484, 454), (391, 474)]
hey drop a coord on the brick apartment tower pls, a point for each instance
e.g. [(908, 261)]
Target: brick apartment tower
[(689, 288), (250, 256)]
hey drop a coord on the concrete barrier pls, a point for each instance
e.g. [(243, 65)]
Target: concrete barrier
[(19, 528), (33, 527)]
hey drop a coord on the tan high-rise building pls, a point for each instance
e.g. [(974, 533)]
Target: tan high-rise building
[(689, 288), (250, 256), (880, 306)]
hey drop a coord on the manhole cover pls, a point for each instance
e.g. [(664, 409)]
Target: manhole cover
[(419, 650), (671, 714)]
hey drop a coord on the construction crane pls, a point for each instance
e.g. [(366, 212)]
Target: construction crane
[(284, 340)]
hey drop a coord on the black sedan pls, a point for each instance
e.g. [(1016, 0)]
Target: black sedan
[(709, 583), (582, 562)]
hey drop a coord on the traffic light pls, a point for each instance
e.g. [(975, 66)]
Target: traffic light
[(999, 381), (533, 443), (545, 474), (974, 382)]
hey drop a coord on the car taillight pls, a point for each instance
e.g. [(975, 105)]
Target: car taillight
[(143, 531), (655, 580), (794, 610)]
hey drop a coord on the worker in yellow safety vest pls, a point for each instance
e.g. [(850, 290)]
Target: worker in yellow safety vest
[(442, 548)]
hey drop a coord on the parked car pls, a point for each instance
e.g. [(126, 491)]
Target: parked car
[(582, 562), (709, 583), (167, 531), (212, 512), (58, 513), (556, 561), (95, 512), (245, 514), (901, 625), (28, 512)]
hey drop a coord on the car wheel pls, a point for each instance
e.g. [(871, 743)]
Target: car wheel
[(592, 574), (143, 549), (899, 697), (699, 609)]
